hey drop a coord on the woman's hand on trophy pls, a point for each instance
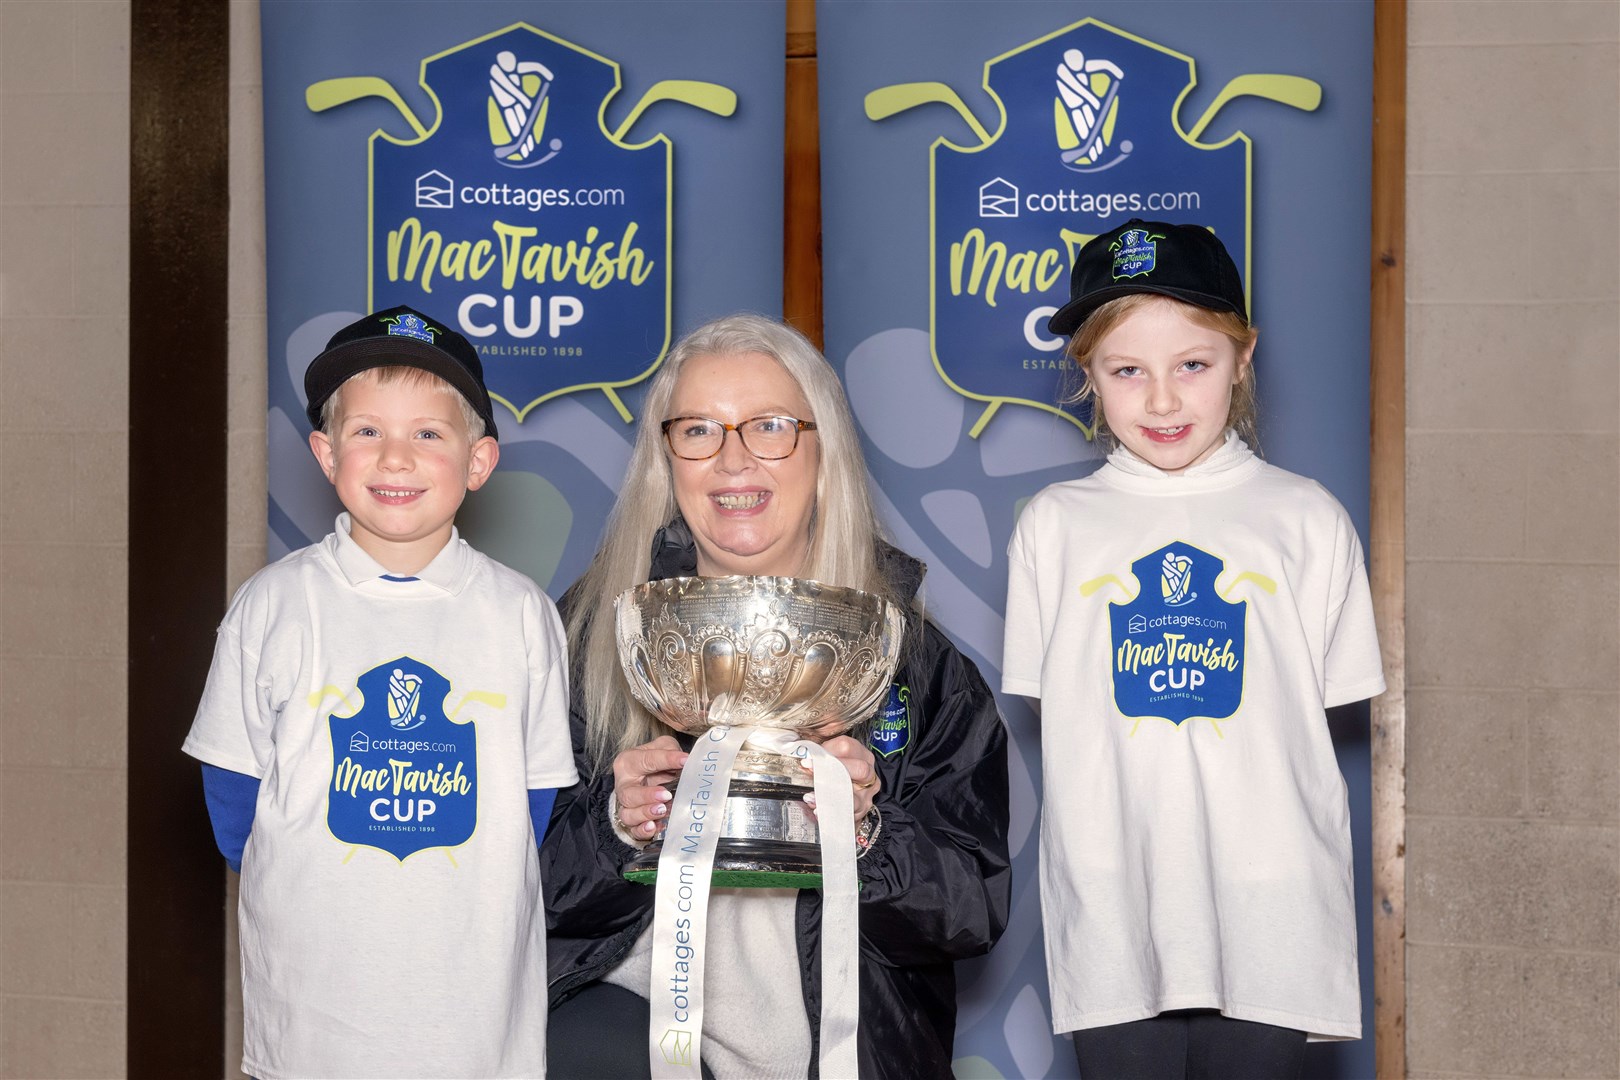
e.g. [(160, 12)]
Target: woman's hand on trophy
[(639, 778), (858, 761)]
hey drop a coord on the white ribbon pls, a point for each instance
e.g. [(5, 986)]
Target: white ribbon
[(680, 907), (840, 916)]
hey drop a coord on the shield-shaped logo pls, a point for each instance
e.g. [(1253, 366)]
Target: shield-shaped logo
[(891, 728), (412, 327), (1178, 649), (1091, 135), (1112, 98), (404, 777), (521, 220), (1136, 252)]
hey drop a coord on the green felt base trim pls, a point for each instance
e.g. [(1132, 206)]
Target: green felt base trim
[(740, 879), (764, 879)]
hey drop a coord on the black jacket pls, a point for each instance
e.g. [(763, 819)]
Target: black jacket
[(935, 884)]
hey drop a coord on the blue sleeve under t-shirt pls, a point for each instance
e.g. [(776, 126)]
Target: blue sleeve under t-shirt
[(540, 802), (232, 797)]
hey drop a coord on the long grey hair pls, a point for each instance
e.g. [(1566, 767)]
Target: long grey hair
[(844, 528)]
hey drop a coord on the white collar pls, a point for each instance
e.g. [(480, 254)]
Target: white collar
[(1232, 463), (446, 572)]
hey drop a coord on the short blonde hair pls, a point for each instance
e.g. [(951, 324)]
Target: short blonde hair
[(1242, 416), (411, 378), (844, 530)]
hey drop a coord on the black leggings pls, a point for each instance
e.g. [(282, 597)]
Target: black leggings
[(600, 1034), (1190, 1044)]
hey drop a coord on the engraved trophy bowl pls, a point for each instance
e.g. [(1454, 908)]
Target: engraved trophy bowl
[(766, 652)]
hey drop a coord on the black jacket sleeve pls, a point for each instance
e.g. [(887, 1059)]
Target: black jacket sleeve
[(936, 884)]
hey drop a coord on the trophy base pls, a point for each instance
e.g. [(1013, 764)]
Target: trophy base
[(768, 839), (744, 864)]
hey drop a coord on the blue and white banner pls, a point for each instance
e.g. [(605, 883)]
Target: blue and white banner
[(1089, 136), (968, 150), (543, 238), (568, 184)]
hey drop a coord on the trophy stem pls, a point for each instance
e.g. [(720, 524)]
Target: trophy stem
[(768, 838)]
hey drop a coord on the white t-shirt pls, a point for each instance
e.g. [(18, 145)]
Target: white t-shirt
[(390, 905), (1184, 635)]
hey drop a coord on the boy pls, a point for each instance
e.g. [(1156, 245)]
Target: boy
[(385, 711)]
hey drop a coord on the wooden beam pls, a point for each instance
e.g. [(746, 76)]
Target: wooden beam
[(178, 227), (1387, 558), (801, 197)]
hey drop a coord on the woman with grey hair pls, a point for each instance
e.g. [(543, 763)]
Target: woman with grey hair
[(747, 461)]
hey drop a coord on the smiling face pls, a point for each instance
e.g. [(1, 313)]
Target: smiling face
[(1164, 384), (399, 456), (748, 516)]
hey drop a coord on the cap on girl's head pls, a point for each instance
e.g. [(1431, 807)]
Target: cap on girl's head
[(1184, 262), (404, 337)]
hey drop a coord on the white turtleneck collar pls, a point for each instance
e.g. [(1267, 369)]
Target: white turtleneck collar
[(1232, 463)]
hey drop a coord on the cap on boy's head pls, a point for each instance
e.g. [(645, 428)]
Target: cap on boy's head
[(404, 337), (1184, 262)]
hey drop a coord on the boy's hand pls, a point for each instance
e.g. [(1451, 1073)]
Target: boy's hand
[(639, 776)]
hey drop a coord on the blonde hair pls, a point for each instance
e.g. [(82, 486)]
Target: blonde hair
[(1243, 414), (844, 530), (411, 378)]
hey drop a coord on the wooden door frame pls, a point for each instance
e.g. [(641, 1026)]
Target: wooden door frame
[(179, 254), (1387, 555)]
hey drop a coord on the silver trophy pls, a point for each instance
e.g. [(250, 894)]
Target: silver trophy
[(765, 652)]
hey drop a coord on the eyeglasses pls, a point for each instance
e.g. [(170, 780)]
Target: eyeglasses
[(769, 438)]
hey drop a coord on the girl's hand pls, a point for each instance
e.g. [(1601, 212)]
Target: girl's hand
[(639, 776), (862, 768)]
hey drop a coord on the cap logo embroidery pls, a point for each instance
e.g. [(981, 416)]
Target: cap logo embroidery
[(1135, 253), (410, 326)]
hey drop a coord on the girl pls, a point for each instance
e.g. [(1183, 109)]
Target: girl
[(1187, 613)]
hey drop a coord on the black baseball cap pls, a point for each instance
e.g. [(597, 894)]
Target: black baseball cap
[(1184, 262), (399, 336)]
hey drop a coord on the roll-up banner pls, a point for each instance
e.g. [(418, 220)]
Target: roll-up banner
[(569, 185), (968, 150)]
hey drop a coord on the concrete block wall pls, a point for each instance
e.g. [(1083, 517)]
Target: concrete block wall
[(246, 347), (64, 287), (1513, 538)]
